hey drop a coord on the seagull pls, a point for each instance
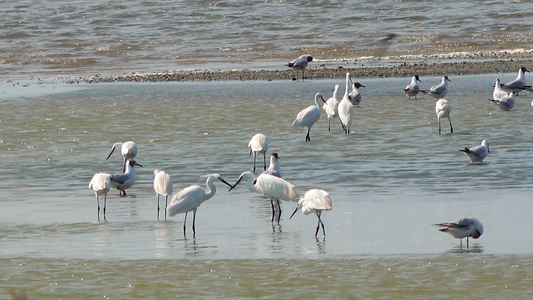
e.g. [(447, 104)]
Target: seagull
[(443, 109), (127, 149), (505, 103), (300, 63), (330, 107), (518, 84), (273, 168), (355, 95), (412, 89), (125, 180), (477, 153), (498, 92), (346, 108), (463, 228), (162, 186), (308, 116), (259, 144), (440, 90), (100, 184), (314, 201)]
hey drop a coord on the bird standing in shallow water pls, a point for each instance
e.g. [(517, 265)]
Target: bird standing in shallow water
[(309, 116), (127, 150), (346, 107), (477, 153), (505, 103), (518, 84), (331, 106), (314, 201), (412, 89), (273, 168), (259, 144), (127, 179), (440, 90), (162, 187), (100, 184), (355, 95), (443, 110), (463, 228), (300, 64)]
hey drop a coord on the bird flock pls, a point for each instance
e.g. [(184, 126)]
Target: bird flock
[(270, 184)]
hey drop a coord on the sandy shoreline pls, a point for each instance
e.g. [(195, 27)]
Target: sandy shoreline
[(363, 69)]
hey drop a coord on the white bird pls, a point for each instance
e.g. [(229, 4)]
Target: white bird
[(355, 95), (273, 168), (443, 109), (477, 153), (330, 107), (190, 198), (128, 150), (346, 108), (518, 84), (440, 90), (314, 201), (505, 103), (308, 117), (270, 186), (100, 184), (162, 187), (300, 63), (463, 228), (498, 92), (412, 89), (125, 180), (259, 144)]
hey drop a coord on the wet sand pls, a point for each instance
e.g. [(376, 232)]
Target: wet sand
[(366, 69)]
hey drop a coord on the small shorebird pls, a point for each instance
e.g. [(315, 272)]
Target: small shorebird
[(300, 64)]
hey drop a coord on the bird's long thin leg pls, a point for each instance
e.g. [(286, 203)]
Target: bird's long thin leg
[(322, 223), (451, 127), (329, 124), (255, 154), (184, 223), (273, 211), (307, 137), (279, 210), (166, 201), (98, 205), (105, 205), (158, 209), (439, 126), (194, 223), (467, 243), (264, 161)]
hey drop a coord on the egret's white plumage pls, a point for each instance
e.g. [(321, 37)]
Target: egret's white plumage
[(518, 84), (100, 184), (463, 228), (273, 168), (270, 186), (125, 180), (498, 92), (162, 187), (259, 144), (412, 89), (309, 116), (127, 150), (190, 198), (443, 110), (477, 153), (346, 107), (331, 106), (355, 96), (440, 90), (300, 63), (505, 103), (314, 201)]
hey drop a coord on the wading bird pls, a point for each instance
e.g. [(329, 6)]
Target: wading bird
[(190, 198), (127, 149), (314, 201), (443, 109), (330, 107), (300, 64), (518, 84), (125, 180), (308, 117), (463, 228), (440, 90), (412, 89), (100, 184), (477, 153), (270, 186), (258, 144), (505, 103), (346, 108), (162, 187)]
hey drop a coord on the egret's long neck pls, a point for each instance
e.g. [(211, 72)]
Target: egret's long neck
[(347, 87), (316, 101), (211, 188), (335, 91)]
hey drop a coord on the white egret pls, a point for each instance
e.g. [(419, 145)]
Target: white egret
[(412, 89), (505, 103), (518, 84), (100, 184), (127, 149), (270, 186), (308, 117), (477, 153), (162, 187), (259, 144), (330, 107), (125, 180), (273, 168), (355, 96), (440, 90), (314, 201), (346, 108), (300, 64), (190, 198), (443, 109), (463, 228)]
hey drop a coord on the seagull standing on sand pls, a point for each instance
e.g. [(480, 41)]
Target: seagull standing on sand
[(443, 109), (300, 64), (463, 228), (308, 117), (518, 84), (477, 153), (440, 90), (412, 89)]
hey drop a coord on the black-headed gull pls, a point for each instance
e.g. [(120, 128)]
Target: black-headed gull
[(463, 228), (300, 63), (273, 167), (518, 84), (505, 103), (314, 201), (477, 153), (440, 90), (355, 95), (412, 89), (125, 180)]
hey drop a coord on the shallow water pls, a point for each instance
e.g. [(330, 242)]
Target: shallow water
[(389, 181)]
